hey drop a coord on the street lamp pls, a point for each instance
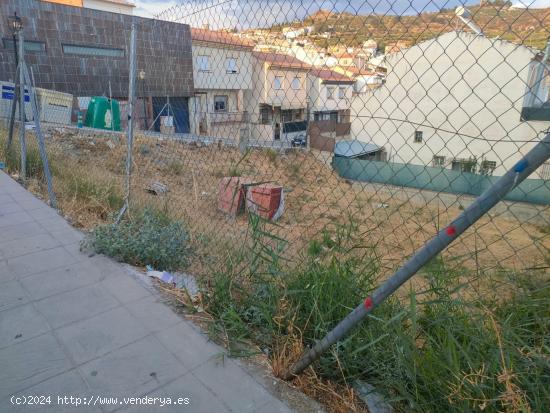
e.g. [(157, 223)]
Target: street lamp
[(16, 25)]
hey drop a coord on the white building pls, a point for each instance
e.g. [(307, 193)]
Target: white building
[(222, 71), (330, 95), (277, 101), (329, 103), (450, 99)]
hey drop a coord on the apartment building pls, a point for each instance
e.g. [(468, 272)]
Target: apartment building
[(277, 102), (222, 73)]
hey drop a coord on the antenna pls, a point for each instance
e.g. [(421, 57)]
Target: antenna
[(464, 14)]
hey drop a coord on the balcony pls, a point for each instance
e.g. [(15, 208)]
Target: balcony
[(331, 127), (226, 117)]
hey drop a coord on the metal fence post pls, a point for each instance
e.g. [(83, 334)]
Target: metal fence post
[(488, 199), (130, 130), (22, 141), (39, 135)]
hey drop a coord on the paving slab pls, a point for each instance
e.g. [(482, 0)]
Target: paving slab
[(21, 323), (31, 362), (82, 325)]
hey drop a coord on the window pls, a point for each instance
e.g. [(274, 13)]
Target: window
[(220, 103), (231, 65), (203, 63), (92, 50), (438, 161), (341, 92), (296, 83), (278, 83), (30, 45), (265, 115), (418, 136), (330, 92), (487, 167)]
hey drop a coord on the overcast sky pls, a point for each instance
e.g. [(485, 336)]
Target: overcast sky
[(260, 13)]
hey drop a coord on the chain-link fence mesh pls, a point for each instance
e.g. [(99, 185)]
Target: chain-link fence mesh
[(378, 120)]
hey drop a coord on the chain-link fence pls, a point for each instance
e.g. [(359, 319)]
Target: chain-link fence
[(355, 130)]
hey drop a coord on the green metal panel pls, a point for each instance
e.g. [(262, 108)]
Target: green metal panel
[(536, 191)]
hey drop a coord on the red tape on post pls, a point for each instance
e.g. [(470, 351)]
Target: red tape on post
[(368, 303), (451, 230)]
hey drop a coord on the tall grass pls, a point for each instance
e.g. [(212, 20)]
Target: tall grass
[(437, 349)]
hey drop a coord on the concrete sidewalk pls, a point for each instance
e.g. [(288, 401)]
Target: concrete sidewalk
[(73, 325)]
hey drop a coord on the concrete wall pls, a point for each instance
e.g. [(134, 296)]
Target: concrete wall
[(164, 50), (465, 94)]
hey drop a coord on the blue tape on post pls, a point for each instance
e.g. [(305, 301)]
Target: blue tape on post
[(521, 165)]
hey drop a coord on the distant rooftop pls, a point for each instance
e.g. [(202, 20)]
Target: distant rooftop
[(330, 76), (281, 60), (219, 37)]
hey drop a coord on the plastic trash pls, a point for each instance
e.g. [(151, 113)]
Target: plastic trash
[(164, 276)]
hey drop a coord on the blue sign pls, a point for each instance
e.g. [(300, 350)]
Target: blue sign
[(8, 92)]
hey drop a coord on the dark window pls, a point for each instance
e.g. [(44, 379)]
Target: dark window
[(220, 103), (438, 161), (265, 115), (418, 135), (92, 50), (30, 45)]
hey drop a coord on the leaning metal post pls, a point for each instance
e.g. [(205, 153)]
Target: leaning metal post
[(130, 131), (22, 140), (535, 158), (39, 135)]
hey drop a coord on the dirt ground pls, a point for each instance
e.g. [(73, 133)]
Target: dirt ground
[(315, 199)]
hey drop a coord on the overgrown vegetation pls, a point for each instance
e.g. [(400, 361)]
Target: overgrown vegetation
[(148, 238), (437, 349)]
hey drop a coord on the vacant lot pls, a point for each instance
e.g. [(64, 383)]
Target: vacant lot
[(89, 180)]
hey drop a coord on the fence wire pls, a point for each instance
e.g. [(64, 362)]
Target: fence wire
[(385, 119)]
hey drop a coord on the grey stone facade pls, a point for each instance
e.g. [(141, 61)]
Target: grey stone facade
[(164, 50)]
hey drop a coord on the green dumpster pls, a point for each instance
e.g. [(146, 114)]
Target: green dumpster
[(103, 113)]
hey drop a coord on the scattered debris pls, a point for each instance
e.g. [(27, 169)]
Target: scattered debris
[(110, 144), (374, 401), (164, 276), (381, 205), (157, 188)]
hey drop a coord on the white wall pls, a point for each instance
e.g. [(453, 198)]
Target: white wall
[(465, 94), (217, 77), (108, 6)]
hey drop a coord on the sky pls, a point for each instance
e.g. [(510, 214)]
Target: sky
[(262, 13)]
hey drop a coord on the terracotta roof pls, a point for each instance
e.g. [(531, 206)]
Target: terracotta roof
[(360, 72), (330, 76), (281, 60), (212, 36)]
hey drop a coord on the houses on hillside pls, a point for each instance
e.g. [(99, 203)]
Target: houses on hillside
[(452, 102)]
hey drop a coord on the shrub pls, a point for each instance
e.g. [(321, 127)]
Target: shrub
[(150, 238)]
